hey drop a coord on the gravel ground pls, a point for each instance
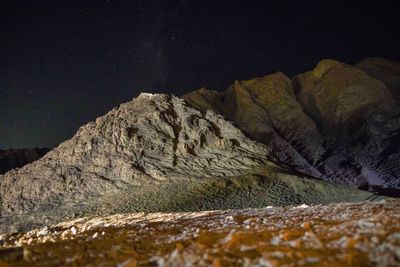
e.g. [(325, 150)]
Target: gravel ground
[(346, 234)]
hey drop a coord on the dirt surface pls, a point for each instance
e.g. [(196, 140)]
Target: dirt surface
[(349, 234)]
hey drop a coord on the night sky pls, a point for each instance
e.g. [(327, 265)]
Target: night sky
[(64, 63)]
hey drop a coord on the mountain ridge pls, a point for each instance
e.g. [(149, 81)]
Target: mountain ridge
[(334, 115)]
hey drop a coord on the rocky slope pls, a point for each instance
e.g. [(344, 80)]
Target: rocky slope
[(16, 158), (338, 122), (156, 153)]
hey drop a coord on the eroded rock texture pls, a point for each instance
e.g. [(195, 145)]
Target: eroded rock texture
[(337, 122), (151, 139)]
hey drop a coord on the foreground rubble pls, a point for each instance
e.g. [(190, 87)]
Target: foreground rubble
[(349, 234)]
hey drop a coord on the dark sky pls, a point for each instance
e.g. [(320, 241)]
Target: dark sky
[(63, 63)]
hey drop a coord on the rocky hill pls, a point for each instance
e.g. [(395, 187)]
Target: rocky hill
[(16, 158), (337, 122), (156, 153)]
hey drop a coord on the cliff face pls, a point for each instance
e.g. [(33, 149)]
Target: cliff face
[(16, 158), (336, 122), (156, 153)]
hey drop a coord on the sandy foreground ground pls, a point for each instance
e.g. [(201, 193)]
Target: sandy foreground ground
[(348, 234)]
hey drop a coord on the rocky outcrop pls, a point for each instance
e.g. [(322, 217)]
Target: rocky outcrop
[(339, 95), (155, 153), (267, 109), (335, 122), (16, 158)]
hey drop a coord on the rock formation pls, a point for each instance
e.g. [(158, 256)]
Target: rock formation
[(267, 109), (156, 153), (335, 122), (16, 158)]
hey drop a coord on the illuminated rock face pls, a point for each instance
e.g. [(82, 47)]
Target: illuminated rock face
[(150, 139), (336, 122), (156, 153), (267, 109)]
